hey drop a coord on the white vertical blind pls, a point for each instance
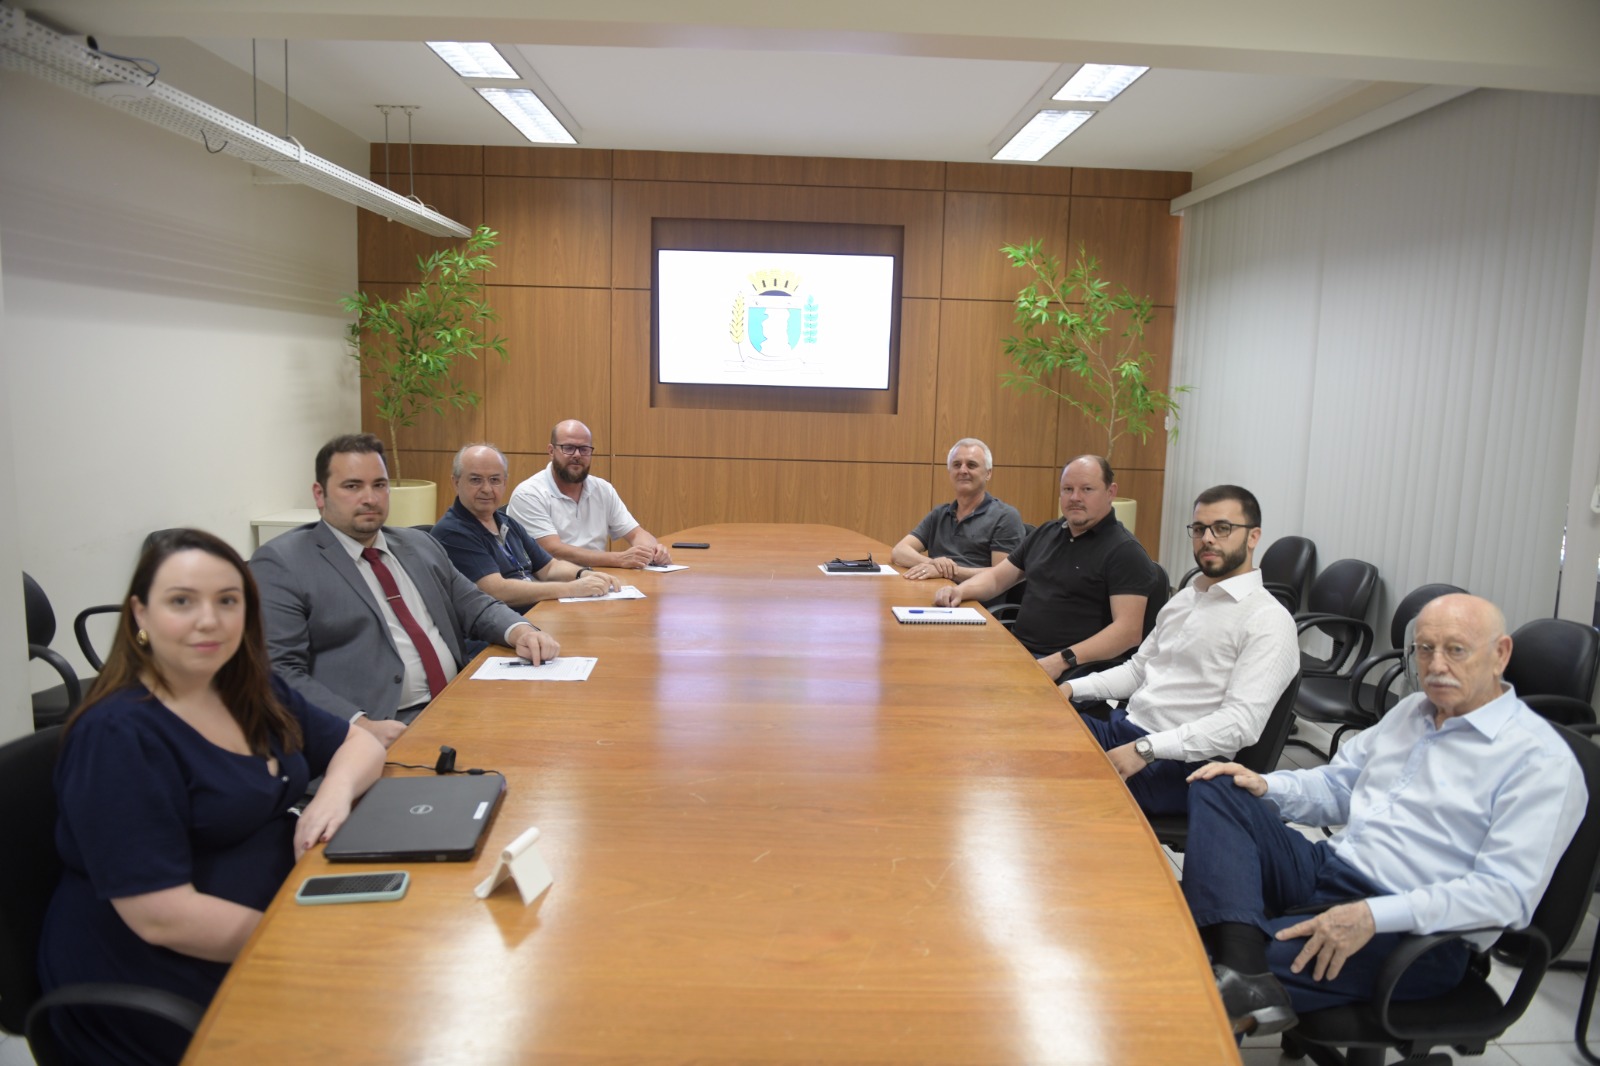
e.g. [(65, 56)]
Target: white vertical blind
[(1385, 344)]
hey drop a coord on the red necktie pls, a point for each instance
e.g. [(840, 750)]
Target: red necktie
[(408, 621)]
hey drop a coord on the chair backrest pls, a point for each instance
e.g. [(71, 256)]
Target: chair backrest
[(1554, 657), (1160, 593), (1289, 561), (39, 615), (1344, 588), (28, 842), (1566, 901), (1406, 610), (1263, 755)]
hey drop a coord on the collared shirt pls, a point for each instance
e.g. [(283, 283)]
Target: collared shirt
[(478, 553), (993, 526), (593, 520), (1071, 580), (1205, 680), (1463, 823), (414, 689)]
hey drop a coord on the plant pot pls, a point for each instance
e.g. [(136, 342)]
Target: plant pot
[(413, 503), (1127, 511)]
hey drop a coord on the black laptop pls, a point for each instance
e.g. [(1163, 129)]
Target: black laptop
[(419, 819)]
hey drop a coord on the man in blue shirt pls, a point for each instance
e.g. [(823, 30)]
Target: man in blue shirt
[(491, 549), (1456, 808)]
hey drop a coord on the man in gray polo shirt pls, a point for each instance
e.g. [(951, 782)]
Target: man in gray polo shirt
[(971, 533)]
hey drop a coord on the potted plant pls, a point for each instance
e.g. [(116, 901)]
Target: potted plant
[(1073, 322), (409, 347)]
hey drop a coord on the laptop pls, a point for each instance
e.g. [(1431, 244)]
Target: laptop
[(419, 819)]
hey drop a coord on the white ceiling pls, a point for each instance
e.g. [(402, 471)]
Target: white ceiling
[(940, 80)]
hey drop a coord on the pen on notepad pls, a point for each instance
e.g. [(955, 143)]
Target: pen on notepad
[(933, 610), (534, 666)]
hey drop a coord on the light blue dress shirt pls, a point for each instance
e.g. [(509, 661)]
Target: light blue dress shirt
[(1463, 823)]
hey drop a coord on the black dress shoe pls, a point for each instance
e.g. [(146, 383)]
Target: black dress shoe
[(1256, 1003)]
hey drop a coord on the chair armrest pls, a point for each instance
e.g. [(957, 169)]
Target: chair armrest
[(1183, 582), (62, 667), (1285, 595), (80, 629), (1385, 683), (1347, 633), (1563, 710), (1535, 960), (1085, 669), (1006, 613), (157, 1002)]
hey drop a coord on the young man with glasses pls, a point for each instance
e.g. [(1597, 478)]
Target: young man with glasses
[(575, 515), (1204, 681)]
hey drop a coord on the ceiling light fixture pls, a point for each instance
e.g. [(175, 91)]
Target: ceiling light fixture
[(1098, 81), (474, 59), (1042, 133), (524, 110), (34, 49)]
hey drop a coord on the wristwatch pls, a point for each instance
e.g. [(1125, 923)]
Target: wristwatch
[(1145, 750), (1069, 659)]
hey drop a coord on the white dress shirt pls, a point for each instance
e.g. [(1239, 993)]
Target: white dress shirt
[(1463, 823), (1205, 680), (593, 520)]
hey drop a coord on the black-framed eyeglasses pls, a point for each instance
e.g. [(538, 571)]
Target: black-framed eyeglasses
[(1222, 529), (576, 449)]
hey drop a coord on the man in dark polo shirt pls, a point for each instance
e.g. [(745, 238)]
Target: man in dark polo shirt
[(1089, 580), (972, 533), (492, 550)]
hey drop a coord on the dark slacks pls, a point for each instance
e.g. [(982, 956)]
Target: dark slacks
[(1159, 788)]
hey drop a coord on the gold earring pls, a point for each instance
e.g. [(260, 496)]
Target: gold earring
[(142, 638)]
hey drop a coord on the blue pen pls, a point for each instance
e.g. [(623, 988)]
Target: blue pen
[(932, 610)]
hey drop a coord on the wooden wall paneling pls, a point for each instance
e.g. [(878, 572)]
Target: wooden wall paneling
[(524, 465), (1138, 184), (388, 251), (558, 343), (1078, 435), (645, 430), (434, 466), (395, 171), (1008, 178), (635, 204), (1146, 486), (1035, 491), (670, 494), (553, 231), (1020, 429), (1136, 242), (881, 500), (978, 224), (778, 170), (539, 162)]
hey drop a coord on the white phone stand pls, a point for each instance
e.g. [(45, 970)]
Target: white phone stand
[(522, 863)]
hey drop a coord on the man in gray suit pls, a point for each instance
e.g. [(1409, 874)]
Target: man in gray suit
[(370, 622)]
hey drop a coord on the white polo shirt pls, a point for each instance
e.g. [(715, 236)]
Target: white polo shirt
[(593, 520)]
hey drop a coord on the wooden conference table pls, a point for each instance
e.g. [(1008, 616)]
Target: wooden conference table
[(783, 827)]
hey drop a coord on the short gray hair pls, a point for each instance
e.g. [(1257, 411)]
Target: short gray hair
[(971, 442), (455, 464)]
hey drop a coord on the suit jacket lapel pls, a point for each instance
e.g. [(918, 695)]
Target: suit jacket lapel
[(334, 555)]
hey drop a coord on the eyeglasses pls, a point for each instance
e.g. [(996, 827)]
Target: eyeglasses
[(1222, 530), (576, 449), (1456, 653)]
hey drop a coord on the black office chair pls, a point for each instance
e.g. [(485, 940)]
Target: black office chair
[(1262, 757), (1472, 1014), (1554, 657), (1346, 699), (27, 840), (1337, 607), (51, 706), (1286, 567)]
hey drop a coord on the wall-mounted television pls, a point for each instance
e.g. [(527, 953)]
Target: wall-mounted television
[(774, 318)]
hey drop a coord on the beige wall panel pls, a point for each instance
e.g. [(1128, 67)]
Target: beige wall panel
[(1078, 435), (1139, 184), (1136, 242), (1008, 178), (1033, 490), (426, 159), (667, 495), (645, 430), (977, 224), (636, 203), (558, 341), (778, 170), (553, 231), (387, 251), (532, 162), (881, 500), (1020, 429)]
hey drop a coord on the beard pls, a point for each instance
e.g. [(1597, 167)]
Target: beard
[(569, 477), (1227, 564)]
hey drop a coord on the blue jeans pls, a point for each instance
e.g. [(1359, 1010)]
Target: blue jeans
[(1242, 864), (1159, 788)]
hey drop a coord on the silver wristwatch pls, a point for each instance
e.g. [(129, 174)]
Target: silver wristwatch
[(1145, 750)]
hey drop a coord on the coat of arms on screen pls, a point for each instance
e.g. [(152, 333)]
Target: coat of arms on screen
[(773, 325)]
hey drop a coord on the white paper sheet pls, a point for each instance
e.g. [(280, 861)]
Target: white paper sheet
[(883, 568), (626, 592), (667, 569), (512, 668)]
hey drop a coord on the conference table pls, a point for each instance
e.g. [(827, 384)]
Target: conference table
[(784, 828)]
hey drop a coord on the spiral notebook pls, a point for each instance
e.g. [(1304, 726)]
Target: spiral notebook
[(938, 616)]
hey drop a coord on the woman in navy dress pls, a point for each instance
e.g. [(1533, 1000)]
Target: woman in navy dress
[(175, 783)]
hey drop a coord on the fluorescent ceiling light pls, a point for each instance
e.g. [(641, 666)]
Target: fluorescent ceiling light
[(474, 59), (524, 110), (1098, 81), (1042, 133)]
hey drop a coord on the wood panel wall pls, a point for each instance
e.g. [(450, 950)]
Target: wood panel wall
[(572, 289)]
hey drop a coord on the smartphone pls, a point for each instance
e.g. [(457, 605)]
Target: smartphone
[(354, 888), (690, 544)]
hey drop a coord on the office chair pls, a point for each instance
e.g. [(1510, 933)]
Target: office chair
[(80, 624), (27, 839), (51, 706), (1554, 657), (1343, 698), (1286, 567), (1472, 1014), (1262, 757), (1337, 607)]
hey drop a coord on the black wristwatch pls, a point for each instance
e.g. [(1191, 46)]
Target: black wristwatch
[(1069, 658)]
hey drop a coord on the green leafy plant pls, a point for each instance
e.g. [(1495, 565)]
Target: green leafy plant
[(1073, 322), (410, 347)]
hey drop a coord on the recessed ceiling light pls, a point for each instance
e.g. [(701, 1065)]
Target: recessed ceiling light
[(474, 59), (1098, 81), (524, 110), (1042, 133)]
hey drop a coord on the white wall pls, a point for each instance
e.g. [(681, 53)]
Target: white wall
[(173, 349)]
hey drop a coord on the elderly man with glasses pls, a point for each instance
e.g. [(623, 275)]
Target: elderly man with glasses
[(1204, 681), (575, 515)]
